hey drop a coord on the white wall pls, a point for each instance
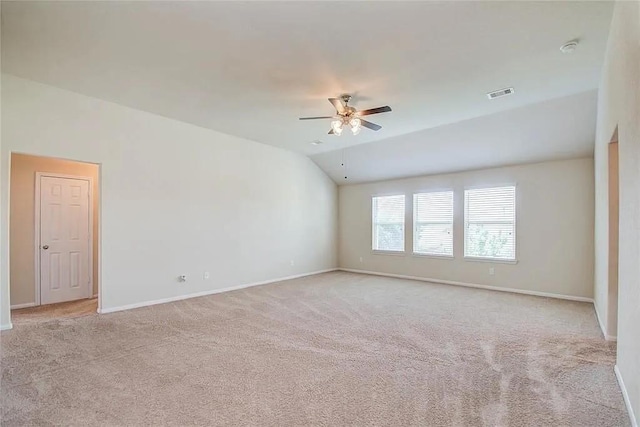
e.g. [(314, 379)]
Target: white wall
[(619, 105), (554, 234), (175, 198)]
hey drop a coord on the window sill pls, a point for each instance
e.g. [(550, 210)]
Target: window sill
[(491, 260), (445, 257), (393, 253)]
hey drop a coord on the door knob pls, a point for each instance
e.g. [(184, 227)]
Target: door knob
[(45, 247)]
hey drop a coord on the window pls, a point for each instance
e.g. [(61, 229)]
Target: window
[(388, 223), (433, 223), (490, 223)]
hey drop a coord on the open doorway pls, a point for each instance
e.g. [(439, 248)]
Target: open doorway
[(614, 231), (53, 225)]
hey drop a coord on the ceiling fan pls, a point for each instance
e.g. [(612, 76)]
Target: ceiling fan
[(349, 116)]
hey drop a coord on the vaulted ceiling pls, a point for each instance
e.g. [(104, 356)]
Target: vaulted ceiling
[(252, 68), (561, 128)]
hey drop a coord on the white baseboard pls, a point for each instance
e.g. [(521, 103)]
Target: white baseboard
[(205, 293), (473, 285), (625, 395), (25, 305), (602, 328), (6, 327)]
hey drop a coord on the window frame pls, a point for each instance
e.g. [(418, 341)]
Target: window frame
[(373, 225), (513, 260), (415, 224)]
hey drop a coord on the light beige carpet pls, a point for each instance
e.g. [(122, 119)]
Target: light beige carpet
[(337, 349)]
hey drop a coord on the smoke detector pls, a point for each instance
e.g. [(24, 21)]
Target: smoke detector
[(569, 46), (498, 93), (316, 142)]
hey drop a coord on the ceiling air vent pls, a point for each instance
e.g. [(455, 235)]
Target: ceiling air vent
[(499, 93)]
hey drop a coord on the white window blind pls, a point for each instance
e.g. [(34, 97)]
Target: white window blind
[(433, 223), (388, 223), (490, 223)]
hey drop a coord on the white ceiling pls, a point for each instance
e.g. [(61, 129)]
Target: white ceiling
[(251, 69), (557, 129)]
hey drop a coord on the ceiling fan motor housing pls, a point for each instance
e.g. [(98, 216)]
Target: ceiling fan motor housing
[(348, 112)]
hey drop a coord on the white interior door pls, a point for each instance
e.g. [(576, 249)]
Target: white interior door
[(64, 239)]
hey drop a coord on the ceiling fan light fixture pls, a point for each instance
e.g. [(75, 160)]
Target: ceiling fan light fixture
[(355, 124), (346, 115), (336, 125)]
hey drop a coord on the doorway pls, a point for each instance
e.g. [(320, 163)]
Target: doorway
[(54, 223), (614, 232)]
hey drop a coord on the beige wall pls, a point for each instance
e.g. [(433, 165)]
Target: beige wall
[(619, 106), (22, 219), (554, 228)]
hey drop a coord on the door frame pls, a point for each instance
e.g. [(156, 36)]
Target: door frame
[(39, 176)]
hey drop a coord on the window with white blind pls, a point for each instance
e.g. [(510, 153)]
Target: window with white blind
[(433, 223), (388, 223), (490, 223)]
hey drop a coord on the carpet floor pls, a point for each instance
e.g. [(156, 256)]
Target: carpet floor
[(337, 349)]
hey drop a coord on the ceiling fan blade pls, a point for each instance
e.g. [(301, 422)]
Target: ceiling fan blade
[(370, 125), (331, 132), (370, 111), (337, 104), (314, 118)]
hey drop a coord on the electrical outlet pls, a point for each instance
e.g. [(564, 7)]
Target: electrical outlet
[(206, 275), (182, 278), (361, 259), (292, 263), (492, 271)]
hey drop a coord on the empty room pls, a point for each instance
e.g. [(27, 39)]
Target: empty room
[(316, 213)]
